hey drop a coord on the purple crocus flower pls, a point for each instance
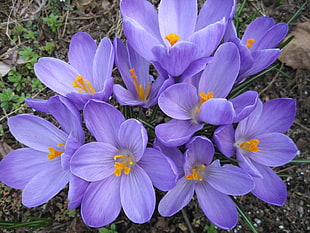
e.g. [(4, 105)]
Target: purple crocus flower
[(259, 144), (257, 46), (119, 167), (88, 74), (212, 184), (42, 169), (142, 89), (191, 106), (174, 32)]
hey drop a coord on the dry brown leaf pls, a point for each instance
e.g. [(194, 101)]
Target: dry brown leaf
[(4, 149), (297, 53)]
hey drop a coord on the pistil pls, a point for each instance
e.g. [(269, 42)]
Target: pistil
[(83, 85)]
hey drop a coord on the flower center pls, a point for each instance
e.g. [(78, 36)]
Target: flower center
[(172, 38), (250, 42), (142, 93), (196, 173), (83, 85), (203, 98), (250, 145), (54, 153), (123, 163)]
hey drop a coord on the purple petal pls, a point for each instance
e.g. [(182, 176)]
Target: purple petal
[(217, 111), (67, 115), (270, 188), (230, 31), (103, 121), (272, 37), (72, 144), (137, 195), (277, 116), (103, 64), (77, 188), (21, 165), (208, 38), (177, 198), (261, 60), (179, 101), (224, 138), (36, 132), (125, 97), (199, 151), (81, 54), (132, 136), (143, 13), (56, 74), (246, 127), (158, 167), (141, 40), (215, 77), (101, 203), (218, 207), (257, 29), (276, 149), (247, 164), (37, 104), (193, 70), (173, 60), (45, 184), (94, 161), (177, 17), (244, 104), (213, 11), (167, 134), (174, 154), (229, 179)]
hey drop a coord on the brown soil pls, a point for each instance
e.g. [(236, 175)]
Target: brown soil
[(102, 18)]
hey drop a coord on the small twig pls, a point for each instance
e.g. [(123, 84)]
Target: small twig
[(65, 24), (187, 221), (301, 126)]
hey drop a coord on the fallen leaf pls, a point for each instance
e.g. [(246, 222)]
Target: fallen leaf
[(297, 53), (4, 149)]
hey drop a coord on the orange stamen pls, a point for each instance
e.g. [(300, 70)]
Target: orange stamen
[(172, 38), (142, 93), (250, 42), (84, 85), (250, 145)]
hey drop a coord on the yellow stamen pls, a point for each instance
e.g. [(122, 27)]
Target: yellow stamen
[(172, 38), (54, 153), (142, 93), (196, 173), (203, 98), (122, 164), (250, 145), (250, 42), (84, 85)]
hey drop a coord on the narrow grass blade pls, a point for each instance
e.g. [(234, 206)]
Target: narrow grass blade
[(246, 218), (297, 12)]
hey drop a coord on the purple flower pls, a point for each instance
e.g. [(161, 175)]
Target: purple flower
[(175, 32), (191, 106), (42, 169), (119, 167), (257, 46), (259, 143), (212, 184), (88, 74), (142, 89)]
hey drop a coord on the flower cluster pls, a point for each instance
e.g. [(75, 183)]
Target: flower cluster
[(199, 61)]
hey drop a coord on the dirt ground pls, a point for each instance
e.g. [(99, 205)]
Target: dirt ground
[(102, 19)]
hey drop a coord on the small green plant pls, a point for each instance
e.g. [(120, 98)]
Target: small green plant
[(52, 21), (106, 230), (9, 99), (210, 229)]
